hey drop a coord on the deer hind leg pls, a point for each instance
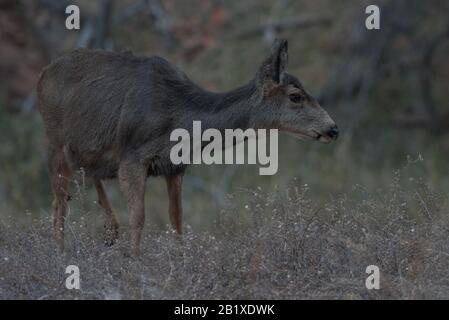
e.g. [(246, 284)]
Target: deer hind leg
[(174, 188), (132, 177), (111, 225), (60, 174)]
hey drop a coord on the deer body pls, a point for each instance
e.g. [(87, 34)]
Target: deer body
[(111, 114)]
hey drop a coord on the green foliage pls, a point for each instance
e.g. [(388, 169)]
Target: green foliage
[(23, 172)]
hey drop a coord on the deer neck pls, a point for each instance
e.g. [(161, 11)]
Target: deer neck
[(232, 109)]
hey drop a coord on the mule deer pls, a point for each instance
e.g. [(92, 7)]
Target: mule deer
[(112, 113)]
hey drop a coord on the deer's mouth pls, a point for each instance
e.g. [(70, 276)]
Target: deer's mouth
[(322, 138), (307, 135)]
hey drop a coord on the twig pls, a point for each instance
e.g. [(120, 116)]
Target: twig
[(424, 206)]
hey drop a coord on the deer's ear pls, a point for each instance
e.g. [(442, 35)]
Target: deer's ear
[(270, 73)]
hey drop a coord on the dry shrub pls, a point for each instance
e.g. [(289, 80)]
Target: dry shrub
[(267, 245)]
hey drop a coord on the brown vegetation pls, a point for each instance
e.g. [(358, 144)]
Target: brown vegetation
[(278, 245)]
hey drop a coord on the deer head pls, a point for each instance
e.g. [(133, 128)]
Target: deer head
[(285, 104)]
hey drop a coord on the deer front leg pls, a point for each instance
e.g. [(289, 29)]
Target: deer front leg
[(132, 177), (174, 188)]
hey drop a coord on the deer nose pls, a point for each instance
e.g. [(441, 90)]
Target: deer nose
[(333, 132)]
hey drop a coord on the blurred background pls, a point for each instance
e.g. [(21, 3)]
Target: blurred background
[(387, 89)]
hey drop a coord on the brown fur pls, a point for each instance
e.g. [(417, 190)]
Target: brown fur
[(111, 114)]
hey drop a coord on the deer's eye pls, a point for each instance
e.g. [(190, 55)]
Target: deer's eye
[(296, 98)]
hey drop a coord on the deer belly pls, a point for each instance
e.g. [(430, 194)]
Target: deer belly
[(101, 164)]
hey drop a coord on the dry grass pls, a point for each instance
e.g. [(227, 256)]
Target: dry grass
[(276, 245)]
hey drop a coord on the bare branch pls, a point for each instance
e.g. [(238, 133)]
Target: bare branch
[(278, 26)]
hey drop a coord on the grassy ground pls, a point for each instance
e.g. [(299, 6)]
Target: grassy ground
[(269, 245)]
